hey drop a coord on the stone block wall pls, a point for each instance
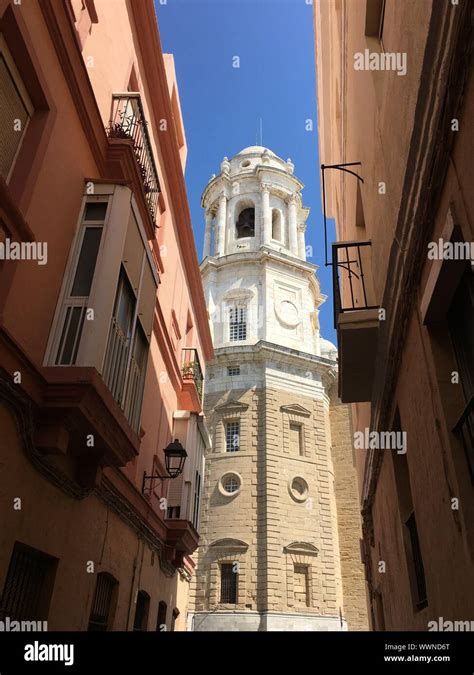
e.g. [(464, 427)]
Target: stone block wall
[(274, 523), (348, 514)]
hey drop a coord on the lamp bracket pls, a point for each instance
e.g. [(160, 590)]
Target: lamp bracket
[(156, 477)]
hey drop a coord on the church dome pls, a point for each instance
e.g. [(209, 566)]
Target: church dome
[(256, 150), (328, 349)]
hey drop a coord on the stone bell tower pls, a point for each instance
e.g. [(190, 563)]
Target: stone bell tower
[(269, 554)]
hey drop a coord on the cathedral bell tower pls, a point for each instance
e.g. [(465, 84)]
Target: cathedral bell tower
[(269, 553)]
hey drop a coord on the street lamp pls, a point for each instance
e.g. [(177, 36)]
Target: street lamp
[(175, 457)]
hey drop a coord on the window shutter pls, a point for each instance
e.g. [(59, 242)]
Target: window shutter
[(146, 303), (133, 253), (175, 490)]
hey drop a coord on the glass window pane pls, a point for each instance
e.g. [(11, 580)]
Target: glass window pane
[(125, 306), (95, 211), (86, 263), (140, 349), (71, 336), (232, 433)]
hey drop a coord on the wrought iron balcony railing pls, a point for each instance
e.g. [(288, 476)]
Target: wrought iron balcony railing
[(349, 284), (191, 369), (127, 121), (464, 430)]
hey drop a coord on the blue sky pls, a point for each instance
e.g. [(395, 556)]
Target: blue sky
[(222, 105)]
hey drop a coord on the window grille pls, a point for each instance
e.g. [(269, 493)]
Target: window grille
[(27, 590), (231, 485), (228, 584), (101, 604), (232, 436), (237, 323)]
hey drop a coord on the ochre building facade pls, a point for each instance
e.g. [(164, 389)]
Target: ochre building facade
[(396, 100)]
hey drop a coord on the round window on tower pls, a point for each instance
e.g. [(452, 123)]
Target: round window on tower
[(230, 484), (287, 313), (298, 489), (245, 163)]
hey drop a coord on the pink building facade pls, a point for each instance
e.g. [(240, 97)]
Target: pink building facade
[(103, 327)]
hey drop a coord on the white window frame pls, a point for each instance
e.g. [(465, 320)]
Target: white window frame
[(66, 299)]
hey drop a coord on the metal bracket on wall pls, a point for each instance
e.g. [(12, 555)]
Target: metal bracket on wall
[(339, 167)]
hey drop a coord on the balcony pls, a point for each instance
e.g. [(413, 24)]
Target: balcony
[(191, 369), (191, 373), (181, 540), (356, 319), (127, 122), (464, 431)]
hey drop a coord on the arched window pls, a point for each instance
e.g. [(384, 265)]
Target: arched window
[(161, 619), (101, 616), (245, 226), (276, 224), (141, 612)]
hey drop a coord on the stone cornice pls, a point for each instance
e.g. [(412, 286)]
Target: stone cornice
[(214, 182), (264, 350), (295, 409), (279, 172), (233, 406), (302, 548), (226, 180), (263, 254), (230, 545)]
